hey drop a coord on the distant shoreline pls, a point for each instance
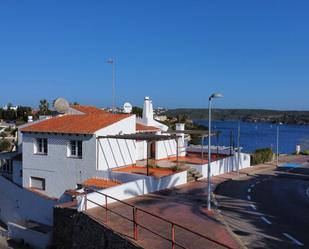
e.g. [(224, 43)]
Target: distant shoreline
[(245, 115)]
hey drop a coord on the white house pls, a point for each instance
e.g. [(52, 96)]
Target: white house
[(63, 151)]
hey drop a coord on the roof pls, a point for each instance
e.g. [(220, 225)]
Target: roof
[(100, 183), (76, 123), (145, 128), (88, 109)]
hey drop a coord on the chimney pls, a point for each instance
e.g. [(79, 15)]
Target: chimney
[(147, 110)]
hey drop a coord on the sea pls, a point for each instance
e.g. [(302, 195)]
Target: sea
[(259, 135)]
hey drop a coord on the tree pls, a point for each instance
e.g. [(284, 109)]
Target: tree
[(23, 112), (137, 111), (44, 107)]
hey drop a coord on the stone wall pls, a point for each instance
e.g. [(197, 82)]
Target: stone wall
[(76, 230)]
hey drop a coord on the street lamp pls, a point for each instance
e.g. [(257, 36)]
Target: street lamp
[(277, 157), (214, 95), (112, 62)]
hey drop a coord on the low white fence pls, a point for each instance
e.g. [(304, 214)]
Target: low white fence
[(223, 150), (119, 176), (131, 189), (224, 165)]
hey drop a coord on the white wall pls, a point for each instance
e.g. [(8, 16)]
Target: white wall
[(18, 204), (59, 171), (141, 150), (135, 188), (224, 165), (113, 153), (33, 238), (165, 149), (123, 177), (17, 169)]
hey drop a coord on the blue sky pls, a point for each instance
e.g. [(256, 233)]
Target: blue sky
[(256, 52)]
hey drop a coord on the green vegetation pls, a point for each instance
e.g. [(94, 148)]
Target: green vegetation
[(137, 111), (5, 145), (262, 156), (305, 152), (248, 115)]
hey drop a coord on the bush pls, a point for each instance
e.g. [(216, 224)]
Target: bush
[(305, 152), (5, 145), (262, 156)]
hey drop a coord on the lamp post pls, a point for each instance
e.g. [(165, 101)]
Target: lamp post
[(112, 62), (214, 95), (277, 154)]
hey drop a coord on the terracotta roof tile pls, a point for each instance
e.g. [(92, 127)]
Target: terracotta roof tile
[(76, 124), (88, 109), (100, 183), (145, 128)]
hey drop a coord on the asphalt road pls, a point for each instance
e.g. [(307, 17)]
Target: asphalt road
[(270, 209)]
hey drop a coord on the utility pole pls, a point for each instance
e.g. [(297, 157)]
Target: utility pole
[(112, 62)]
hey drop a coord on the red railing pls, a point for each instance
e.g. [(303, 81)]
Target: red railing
[(136, 224)]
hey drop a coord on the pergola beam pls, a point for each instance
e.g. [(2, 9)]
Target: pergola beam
[(149, 138)]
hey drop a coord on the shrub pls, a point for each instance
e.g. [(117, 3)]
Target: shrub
[(261, 156), (305, 152), (5, 145)]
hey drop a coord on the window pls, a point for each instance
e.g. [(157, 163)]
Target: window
[(75, 149), (40, 146), (37, 183)]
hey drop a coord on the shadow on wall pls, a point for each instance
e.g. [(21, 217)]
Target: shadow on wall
[(113, 163)]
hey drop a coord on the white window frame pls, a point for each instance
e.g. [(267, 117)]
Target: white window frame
[(43, 181), (39, 142), (78, 149)]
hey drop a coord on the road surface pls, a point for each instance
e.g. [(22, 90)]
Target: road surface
[(269, 209)]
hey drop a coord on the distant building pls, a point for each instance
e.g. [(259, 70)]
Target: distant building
[(6, 107)]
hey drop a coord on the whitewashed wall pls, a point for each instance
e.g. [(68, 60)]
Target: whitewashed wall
[(224, 165), (165, 149), (17, 168), (113, 153), (18, 204), (119, 176), (141, 150), (135, 188), (33, 238), (59, 171)]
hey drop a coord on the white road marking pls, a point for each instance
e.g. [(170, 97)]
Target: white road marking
[(249, 197), (266, 220), (252, 186), (307, 192), (249, 190), (253, 206), (293, 239)]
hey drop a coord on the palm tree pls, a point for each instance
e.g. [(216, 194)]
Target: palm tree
[(44, 106)]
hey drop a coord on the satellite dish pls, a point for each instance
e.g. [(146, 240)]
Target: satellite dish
[(61, 105), (127, 107)]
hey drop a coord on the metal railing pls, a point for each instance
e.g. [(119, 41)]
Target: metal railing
[(136, 224)]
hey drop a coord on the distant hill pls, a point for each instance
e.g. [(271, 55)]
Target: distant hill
[(248, 115)]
